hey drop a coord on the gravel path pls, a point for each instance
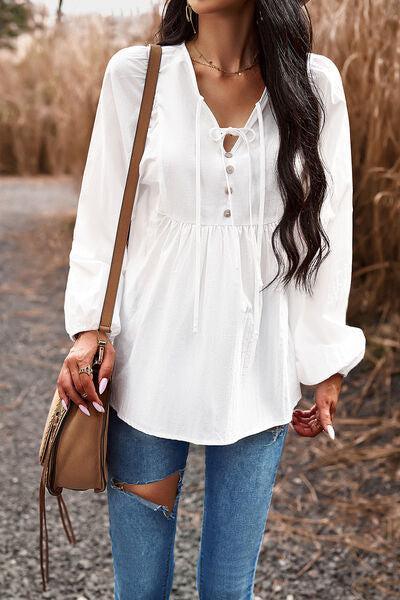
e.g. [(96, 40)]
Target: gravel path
[(310, 551)]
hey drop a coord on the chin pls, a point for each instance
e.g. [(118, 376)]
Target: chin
[(203, 7)]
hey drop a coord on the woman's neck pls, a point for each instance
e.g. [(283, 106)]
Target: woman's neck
[(228, 38)]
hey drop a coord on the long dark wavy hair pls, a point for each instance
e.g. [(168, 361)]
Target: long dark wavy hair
[(284, 36)]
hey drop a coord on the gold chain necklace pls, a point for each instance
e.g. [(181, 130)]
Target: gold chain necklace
[(209, 63)]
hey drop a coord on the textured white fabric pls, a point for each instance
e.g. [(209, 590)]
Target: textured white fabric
[(202, 354)]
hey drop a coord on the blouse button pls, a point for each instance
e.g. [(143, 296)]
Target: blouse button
[(230, 168), (227, 190), (228, 154), (227, 213)]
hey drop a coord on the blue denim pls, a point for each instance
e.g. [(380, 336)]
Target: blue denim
[(239, 480)]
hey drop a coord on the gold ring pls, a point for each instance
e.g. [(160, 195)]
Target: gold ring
[(88, 370)]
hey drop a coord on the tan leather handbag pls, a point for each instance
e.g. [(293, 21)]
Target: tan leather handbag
[(73, 448)]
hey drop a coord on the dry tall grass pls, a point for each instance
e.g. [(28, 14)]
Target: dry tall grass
[(48, 100), (49, 92)]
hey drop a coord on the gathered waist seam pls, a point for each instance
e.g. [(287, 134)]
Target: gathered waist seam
[(227, 226)]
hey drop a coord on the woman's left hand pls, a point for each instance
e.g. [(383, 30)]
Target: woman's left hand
[(310, 423)]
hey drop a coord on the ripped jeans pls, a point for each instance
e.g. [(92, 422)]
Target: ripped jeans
[(239, 480)]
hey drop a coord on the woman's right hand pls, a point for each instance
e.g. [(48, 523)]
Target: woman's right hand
[(79, 387)]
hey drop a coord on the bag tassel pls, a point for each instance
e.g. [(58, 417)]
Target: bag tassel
[(66, 521), (44, 537)]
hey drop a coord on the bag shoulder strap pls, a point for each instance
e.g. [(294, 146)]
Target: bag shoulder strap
[(121, 238)]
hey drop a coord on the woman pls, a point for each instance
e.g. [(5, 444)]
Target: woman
[(235, 283)]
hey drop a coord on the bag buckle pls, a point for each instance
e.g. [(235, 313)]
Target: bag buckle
[(102, 342), (102, 347)]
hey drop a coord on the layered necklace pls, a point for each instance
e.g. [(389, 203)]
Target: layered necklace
[(210, 63)]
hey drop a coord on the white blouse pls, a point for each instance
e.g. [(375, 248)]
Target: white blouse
[(201, 354)]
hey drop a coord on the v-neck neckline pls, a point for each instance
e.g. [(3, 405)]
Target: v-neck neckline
[(251, 116)]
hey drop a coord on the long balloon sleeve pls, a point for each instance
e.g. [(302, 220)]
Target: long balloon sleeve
[(324, 343), (102, 191)]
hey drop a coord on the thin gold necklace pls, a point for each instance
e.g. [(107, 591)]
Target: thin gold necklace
[(209, 63)]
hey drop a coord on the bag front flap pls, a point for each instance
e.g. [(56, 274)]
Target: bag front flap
[(78, 459)]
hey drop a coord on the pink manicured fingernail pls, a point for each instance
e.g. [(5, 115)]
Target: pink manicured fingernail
[(103, 385), (98, 407), (84, 410), (330, 431), (65, 405)]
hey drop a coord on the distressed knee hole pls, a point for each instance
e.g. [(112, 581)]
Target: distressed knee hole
[(161, 494)]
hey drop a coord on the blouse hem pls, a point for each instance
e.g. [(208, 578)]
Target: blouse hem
[(197, 441)]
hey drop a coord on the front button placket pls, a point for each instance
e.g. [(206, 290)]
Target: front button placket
[(248, 135), (218, 135), (228, 188)]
